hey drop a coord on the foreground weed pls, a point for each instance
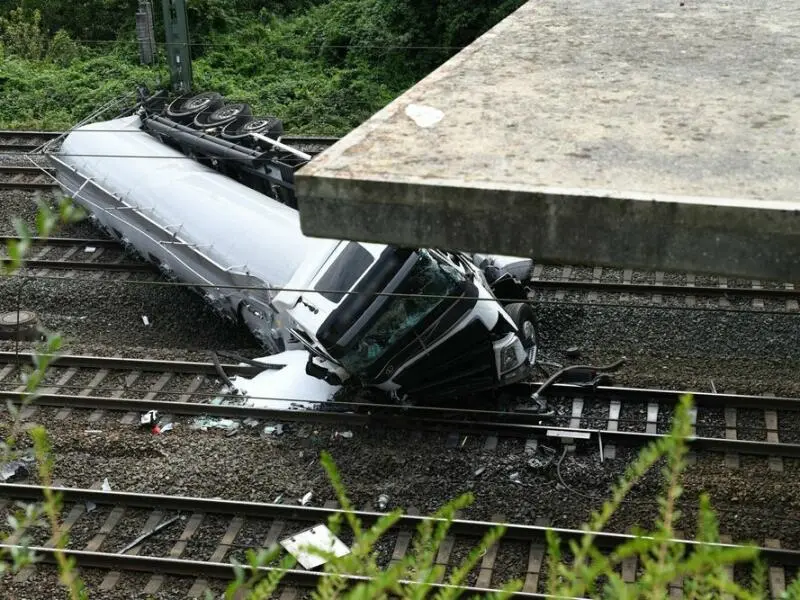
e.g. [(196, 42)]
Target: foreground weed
[(48, 513)]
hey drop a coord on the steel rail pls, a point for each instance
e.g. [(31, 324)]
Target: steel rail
[(284, 512), (15, 170), (29, 133), (64, 241), (410, 417), (133, 364), (27, 185), (648, 288), (15, 147), (704, 399), (217, 570), (81, 265)]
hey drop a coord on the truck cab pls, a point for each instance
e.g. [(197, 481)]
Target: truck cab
[(412, 322)]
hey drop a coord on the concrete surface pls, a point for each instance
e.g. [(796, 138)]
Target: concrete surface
[(641, 133)]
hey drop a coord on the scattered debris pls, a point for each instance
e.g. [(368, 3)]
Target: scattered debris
[(215, 423), (149, 418), (106, 487), (306, 499), (145, 320), (464, 441), (159, 429), (303, 545), (573, 352), (90, 249), (147, 534), (479, 471), (342, 434), (383, 501), (514, 477), (87, 431), (15, 469), (713, 387), (542, 457), (250, 422), (278, 499), (273, 429)]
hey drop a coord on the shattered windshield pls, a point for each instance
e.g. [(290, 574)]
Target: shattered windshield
[(401, 314)]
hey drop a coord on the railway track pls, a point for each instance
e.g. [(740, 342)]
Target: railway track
[(198, 537), (592, 284), (18, 141), (28, 141), (78, 254), (620, 417), (76, 257), (26, 178)]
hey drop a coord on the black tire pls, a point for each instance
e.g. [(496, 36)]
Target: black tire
[(524, 318), (185, 108), (222, 115)]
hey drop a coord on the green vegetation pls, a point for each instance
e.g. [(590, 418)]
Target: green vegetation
[(322, 66)]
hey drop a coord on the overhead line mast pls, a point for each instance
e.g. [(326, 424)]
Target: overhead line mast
[(177, 37)]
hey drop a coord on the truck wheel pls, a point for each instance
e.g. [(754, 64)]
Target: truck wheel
[(222, 115), (185, 108), (525, 320), (241, 128)]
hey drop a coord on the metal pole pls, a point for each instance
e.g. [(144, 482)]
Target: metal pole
[(145, 33), (177, 36)]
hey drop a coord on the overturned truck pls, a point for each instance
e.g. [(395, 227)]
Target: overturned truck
[(204, 190)]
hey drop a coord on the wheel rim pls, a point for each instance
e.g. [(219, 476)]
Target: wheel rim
[(225, 113), (196, 102), (255, 125)]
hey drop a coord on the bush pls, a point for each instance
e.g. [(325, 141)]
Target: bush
[(22, 35), (62, 50)]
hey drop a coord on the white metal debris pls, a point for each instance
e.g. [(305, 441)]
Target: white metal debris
[(303, 545), (286, 388)]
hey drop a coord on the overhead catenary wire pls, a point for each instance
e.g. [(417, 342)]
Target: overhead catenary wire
[(271, 46), (181, 284), (137, 156), (588, 304)]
